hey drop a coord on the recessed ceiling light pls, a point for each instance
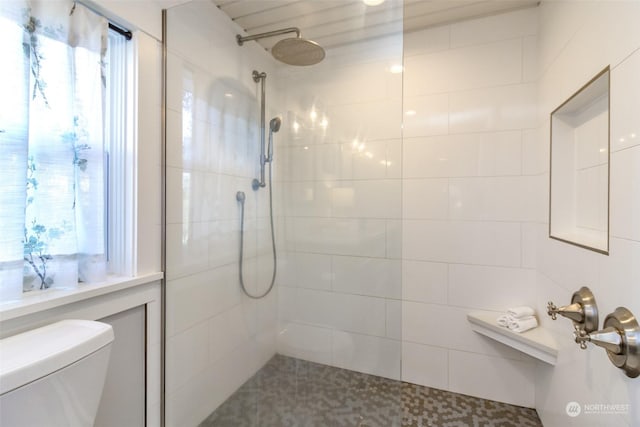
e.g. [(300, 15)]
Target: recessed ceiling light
[(372, 2)]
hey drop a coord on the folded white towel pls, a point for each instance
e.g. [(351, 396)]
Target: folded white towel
[(522, 325), (504, 320), (521, 312)]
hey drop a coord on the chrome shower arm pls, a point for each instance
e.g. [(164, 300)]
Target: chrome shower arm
[(240, 39)]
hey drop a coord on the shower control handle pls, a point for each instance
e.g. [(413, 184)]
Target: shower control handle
[(620, 337), (607, 338), (572, 311), (582, 311)]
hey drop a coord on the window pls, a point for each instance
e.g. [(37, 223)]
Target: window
[(63, 135)]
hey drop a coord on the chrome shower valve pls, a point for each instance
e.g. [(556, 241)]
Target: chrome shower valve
[(620, 337), (583, 310)]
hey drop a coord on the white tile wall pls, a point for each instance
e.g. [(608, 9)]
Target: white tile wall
[(425, 365), (472, 186), (570, 52), (217, 337), (340, 284), (492, 378)]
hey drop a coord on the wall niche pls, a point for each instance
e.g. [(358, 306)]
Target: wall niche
[(579, 181)]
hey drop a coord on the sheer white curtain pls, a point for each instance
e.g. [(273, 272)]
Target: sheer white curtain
[(52, 200)]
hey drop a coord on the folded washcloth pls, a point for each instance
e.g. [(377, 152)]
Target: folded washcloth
[(523, 324), (521, 312), (504, 320)]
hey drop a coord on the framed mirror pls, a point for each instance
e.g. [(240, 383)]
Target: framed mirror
[(579, 177)]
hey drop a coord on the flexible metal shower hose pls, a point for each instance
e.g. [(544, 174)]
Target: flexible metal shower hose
[(273, 243)]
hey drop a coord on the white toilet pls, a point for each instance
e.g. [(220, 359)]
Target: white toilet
[(54, 375)]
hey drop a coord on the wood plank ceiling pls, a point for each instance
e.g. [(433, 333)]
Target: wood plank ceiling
[(337, 22)]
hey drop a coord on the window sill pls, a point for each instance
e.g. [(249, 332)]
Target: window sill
[(56, 297)]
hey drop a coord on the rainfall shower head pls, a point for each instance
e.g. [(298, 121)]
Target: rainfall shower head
[(293, 50), (274, 124)]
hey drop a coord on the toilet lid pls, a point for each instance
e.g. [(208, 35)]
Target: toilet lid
[(37, 353)]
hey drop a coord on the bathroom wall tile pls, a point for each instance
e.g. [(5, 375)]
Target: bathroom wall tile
[(441, 156), (420, 325), (490, 288), (366, 199), (496, 63), (474, 154), (365, 121), (499, 108), (499, 153), (426, 41), (363, 353), (341, 311), (367, 276), (187, 355), (360, 314), (425, 115), (393, 238), (624, 199), (425, 365), (195, 298), (193, 402), (187, 249), (501, 199), (223, 339), (303, 270), (305, 342), (345, 83), (532, 233), (496, 27), (287, 297), (535, 150), (491, 377), (307, 198), (358, 237), (394, 159), (371, 161), (618, 274), (489, 243), (565, 264), (224, 242), (425, 198), (317, 162), (424, 281), (353, 83), (394, 319), (530, 67), (625, 129)]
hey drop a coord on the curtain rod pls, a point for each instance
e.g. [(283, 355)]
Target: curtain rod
[(126, 33)]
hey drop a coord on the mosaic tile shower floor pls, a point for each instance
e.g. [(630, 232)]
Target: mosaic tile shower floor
[(289, 392)]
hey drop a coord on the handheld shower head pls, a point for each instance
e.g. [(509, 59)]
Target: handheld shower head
[(274, 124)]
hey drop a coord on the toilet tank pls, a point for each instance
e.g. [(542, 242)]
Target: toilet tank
[(54, 375)]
